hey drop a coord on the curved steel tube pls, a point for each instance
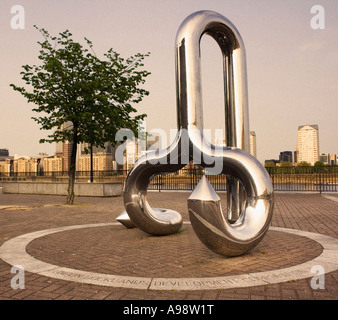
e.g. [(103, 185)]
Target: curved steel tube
[(152, 221), (250, 192)]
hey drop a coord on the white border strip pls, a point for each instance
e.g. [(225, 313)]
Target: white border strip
[(14, 252)]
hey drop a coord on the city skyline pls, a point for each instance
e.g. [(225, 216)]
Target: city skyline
[(292, 80), (307, 149)]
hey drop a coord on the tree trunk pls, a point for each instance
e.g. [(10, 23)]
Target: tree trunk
[(71, 171)]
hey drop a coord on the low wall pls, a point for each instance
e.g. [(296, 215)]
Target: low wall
[(95, 189)]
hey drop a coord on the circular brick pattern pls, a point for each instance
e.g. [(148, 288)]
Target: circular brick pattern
[(131, 252), (14, 252)]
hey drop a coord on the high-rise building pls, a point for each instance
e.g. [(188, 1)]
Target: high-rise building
[(325, 158), (286, 156), (329, 159), (4, 153), (253, 148), (295, 156), (308, 144), (66, 154), (333, 159), (64, 150)]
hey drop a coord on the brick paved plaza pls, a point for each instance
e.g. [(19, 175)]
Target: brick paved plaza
[(110, 248)]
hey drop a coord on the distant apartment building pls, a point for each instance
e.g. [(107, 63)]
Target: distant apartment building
[(26, 164), (308, 144), (101, 162), (5, 161), (5, 166), (329, 159), (53, 164)]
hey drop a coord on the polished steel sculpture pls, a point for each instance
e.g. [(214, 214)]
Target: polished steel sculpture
[(249, 188)]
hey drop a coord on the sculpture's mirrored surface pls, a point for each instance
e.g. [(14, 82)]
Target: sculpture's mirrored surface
[(249, 188)]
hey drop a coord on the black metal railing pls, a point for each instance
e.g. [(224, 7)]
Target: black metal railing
[(186, 180), (315, 179)]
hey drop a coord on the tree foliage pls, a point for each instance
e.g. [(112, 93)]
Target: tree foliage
[(72, 85), (269, 164), (304, 164), (285, 164), (80, 97)]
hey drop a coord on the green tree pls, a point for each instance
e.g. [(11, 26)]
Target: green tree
[(80, 97), (269, 164), (303, 164), (285, 164), (319, 164)]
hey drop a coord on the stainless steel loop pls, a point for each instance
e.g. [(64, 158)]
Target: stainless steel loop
[(249, 188)]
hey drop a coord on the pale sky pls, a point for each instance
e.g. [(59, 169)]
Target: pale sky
[(292, 68)]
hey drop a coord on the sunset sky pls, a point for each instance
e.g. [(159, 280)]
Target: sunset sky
[(292, 68)]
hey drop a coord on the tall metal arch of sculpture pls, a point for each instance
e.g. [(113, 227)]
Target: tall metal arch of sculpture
[(249, 188)]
